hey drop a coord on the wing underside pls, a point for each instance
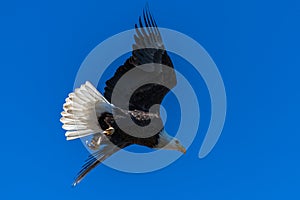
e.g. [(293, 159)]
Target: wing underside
[(156, 74)]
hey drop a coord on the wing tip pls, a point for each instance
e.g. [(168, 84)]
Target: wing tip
[(75, 183)]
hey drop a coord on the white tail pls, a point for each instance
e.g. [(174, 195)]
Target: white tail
[(81, 112)]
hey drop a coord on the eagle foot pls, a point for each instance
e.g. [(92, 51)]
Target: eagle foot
[(93, 146), (109, 131)]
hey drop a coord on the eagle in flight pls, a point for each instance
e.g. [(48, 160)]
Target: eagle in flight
[(89, 113)]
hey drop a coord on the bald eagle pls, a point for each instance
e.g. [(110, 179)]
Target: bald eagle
[(89, 113)]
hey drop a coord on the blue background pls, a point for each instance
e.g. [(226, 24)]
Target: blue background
[(255, 45)]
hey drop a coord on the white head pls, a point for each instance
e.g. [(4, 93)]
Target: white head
[(166, 141)]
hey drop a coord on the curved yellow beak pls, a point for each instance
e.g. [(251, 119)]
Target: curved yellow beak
[(182, 149)]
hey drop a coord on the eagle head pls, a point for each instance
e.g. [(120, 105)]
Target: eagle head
[(166, 141)]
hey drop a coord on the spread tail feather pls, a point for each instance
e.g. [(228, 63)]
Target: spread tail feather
[(81, 111)]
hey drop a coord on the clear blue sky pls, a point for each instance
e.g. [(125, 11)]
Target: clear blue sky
[(255, 45)]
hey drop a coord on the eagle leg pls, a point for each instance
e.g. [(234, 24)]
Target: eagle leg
[(94, 144)]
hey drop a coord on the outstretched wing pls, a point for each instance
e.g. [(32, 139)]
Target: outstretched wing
[(95, 159), (147, 86)]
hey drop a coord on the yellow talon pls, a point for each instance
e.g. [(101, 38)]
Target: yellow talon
[(109, 131)]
